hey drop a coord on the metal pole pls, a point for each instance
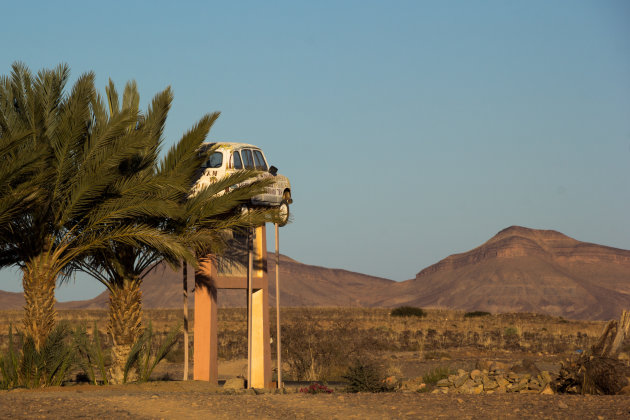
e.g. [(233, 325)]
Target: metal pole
[(250, 268), (185, 287), (279, 347)]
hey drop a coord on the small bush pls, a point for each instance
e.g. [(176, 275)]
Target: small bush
[(409, 311), (145, 357), (476, 314), (366, 377), (510, 332), (440, 372), (316, 388)]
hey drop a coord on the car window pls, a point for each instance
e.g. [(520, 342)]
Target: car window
[(248, 160), (260, 160), (236, 158), (215, 160)]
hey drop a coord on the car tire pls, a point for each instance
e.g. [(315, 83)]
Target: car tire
[(283, 213)]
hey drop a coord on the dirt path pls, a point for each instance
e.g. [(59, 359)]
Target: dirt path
[(194, 400)]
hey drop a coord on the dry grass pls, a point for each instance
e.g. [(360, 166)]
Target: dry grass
[(319, 343)]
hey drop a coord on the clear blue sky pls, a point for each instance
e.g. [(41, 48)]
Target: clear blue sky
[(410, 130)]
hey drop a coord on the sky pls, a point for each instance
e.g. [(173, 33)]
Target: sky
[(410, 130)]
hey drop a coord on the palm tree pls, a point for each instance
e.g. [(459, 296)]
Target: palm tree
[(122, 266), (75, 194)]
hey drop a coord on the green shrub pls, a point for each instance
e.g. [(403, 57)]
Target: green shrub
[(366, 377), (475, 314), (408, 311), (510, 332), (144, 357), (91, 356), (440, 372), (32, 368)]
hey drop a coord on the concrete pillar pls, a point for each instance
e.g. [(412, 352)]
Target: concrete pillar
[(205, 337), (207, 281)]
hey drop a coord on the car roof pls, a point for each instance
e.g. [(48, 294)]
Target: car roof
[(230, 145)]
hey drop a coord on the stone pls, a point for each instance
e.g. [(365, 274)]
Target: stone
[(502, 381), (489, 384), (516, 387), (460, 380), (562, 404), (547, 391), (443, 383), (234, 383), (476, 373), (477, 389), (546, 377)]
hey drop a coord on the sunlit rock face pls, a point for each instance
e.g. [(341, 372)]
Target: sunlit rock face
[(526, 270)]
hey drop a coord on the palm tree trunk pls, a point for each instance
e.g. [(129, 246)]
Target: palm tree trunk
[(38, 281), (185, 287), (125, 326)]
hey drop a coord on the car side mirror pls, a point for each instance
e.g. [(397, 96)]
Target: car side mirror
[(273, 170)]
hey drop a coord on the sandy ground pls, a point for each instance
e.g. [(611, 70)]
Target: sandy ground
[(194, 400)]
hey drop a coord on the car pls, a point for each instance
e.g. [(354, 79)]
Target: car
[(229, 157)]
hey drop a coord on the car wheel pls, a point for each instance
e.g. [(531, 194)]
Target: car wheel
[(283, 213)]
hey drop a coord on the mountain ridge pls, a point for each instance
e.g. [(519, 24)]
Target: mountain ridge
[(517, 270)]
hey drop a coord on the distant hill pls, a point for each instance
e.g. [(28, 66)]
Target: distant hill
[(524, 270), (301, 285), (518, 270)]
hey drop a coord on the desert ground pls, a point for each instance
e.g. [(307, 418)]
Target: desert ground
[(319, 344)]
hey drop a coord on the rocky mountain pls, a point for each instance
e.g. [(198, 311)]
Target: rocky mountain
[(524, 270), (518, 270)]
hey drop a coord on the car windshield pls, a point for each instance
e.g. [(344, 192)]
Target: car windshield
[(260, 160), (215, 160)]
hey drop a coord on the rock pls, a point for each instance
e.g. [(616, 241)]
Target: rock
[(460, 380), (477, 389), (561, 404), (489, 384), (516, 387), (475, 374), (502, 381), (443, 383), (234, 383), (546, 377), (547, 391)]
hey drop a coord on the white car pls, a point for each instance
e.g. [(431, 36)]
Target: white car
[(231, 157)]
